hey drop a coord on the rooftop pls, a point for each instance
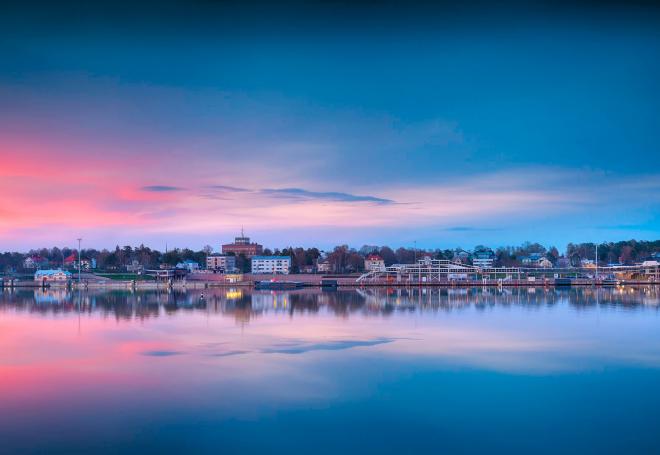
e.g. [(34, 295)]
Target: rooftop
[(50, 272), (272, 257)]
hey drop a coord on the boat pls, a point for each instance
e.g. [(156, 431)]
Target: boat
[(563, 282), (277, 285), (325, 283)]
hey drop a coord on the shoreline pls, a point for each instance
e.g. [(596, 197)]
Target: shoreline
[(128, 285)]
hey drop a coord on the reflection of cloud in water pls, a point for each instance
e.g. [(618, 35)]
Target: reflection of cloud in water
[(301, 348), (513, 330)]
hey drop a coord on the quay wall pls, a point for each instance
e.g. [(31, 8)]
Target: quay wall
[(310, 280)]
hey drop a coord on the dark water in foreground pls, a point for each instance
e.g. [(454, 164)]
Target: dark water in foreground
[(376, 371)]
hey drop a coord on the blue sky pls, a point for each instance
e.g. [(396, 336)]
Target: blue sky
[(327, 124)]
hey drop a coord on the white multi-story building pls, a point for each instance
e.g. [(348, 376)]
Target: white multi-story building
[(221, 262), (271, 264), (483, 258)]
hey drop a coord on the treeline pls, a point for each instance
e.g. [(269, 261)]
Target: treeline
[(341, 258), (624, 252)]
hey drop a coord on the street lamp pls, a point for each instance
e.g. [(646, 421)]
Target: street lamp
[(596, 262), (79, 260)]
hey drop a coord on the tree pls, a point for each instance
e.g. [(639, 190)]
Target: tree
[(626, 254), (338, 258), (243, 264), (405, 255), (388, 255)]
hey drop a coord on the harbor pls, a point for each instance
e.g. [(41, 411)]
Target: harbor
[(425, 273)]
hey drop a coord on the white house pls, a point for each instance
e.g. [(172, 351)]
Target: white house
[(135, 267), (537, 260), (271, 264), (544, 262), (188, 265), (374, 263), (52, 276), (323, 265), (221, 262), (34, 262)]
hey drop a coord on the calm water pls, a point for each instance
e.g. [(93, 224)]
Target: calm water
[(376, 371)]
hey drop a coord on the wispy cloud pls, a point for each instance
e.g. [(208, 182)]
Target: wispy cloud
[(161, 188), (160, 353), (299, 193), (624, 227), (466, 229), (230, 189)]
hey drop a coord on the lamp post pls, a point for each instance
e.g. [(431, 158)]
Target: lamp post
[(596, 262), (79, 260)]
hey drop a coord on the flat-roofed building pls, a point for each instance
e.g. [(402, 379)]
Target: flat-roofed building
[(51, 276), (271, 265), (189, 265), (242, 245), (221, 263), (483, 258)]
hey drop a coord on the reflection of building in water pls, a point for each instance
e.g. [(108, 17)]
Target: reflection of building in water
[(243, 304), (233, 294), (50, 296), (266, 301)]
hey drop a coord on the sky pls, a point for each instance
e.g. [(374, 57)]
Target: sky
[(316, 124)]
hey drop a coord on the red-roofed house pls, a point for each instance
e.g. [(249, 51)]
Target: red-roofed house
[(374, 263), (70, 260)]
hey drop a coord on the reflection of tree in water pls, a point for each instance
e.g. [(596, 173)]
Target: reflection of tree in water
[(245, 304)]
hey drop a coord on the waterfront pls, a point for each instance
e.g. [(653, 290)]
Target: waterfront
[(365, 370)]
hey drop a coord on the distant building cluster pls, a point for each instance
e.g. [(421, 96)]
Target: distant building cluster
[(246, 256)]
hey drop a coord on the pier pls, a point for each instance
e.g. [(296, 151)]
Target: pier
[(429, 272)]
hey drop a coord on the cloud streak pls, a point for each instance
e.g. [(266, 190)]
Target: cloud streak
[(161, 188), (298, 193)]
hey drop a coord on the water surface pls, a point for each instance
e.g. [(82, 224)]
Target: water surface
[(356, 371)]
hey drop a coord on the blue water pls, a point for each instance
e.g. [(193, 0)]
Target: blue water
[(366, 371)]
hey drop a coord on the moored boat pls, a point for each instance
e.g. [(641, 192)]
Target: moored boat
[(273, 284)]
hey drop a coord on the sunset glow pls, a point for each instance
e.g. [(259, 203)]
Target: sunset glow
[(183, 150)]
